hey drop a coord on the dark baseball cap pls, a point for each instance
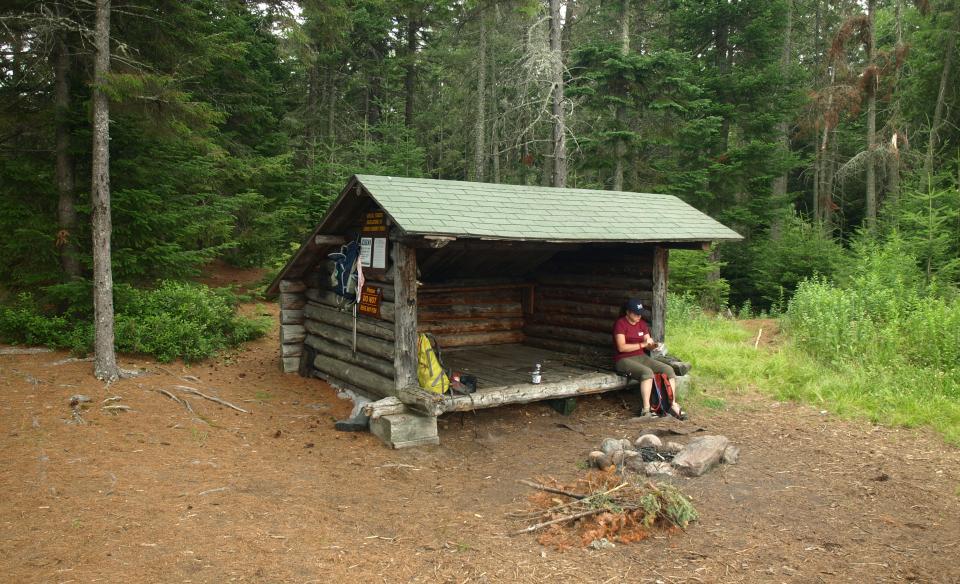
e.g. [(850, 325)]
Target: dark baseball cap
[(635, 306)]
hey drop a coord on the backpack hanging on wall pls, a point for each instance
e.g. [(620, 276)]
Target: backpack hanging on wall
[(343, 278), (661, 395)]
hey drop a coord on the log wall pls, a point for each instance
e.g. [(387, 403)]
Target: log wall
[(578, 296), (470, 314), (292, 332), (328, 336)]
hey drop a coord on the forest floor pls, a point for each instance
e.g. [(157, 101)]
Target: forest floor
[(158, 495)]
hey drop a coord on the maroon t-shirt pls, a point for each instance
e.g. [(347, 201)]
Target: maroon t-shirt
[(632, 333)]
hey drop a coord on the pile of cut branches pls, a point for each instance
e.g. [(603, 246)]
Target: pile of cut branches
[(603, 505)]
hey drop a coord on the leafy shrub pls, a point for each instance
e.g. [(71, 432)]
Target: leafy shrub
[(697, 273), (798, 251), (888, 385), (175, 320), (890, 331), (682, 308), (23, 321)]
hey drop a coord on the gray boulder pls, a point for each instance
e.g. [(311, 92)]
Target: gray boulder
[(611, 445), (649, 441), (701, 455), (652, 469)]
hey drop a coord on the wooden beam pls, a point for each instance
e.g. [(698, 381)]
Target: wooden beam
[(522, 393), (562, 333), (385, 407), (354, 375), (405, 315), (343, 353), (661, 256), (292, 286), (696, 245), (342, 319), (487, 325), (321, 239), (320, 333), (328, 298), (578, 281), (479, 339)]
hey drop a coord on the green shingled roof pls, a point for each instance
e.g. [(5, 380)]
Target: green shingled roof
[(497, 211)]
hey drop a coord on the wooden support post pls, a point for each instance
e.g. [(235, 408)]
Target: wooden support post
[(659, 309), (405, 315)]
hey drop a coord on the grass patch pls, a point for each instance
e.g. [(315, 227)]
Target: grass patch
[(713, 403), (894, 393)]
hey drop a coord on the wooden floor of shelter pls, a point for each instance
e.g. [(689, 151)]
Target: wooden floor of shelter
[(497, 366), (504, 377)]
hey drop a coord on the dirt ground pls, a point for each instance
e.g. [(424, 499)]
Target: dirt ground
[(276, 495)]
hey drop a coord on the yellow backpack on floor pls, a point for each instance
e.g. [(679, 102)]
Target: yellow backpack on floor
[(430, 372)]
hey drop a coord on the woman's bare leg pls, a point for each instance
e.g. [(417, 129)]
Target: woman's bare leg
[(646, 388)]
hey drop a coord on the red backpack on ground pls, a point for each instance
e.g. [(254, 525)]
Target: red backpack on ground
[(661, 395)]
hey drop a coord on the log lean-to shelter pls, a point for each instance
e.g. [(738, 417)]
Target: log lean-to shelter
[(504, 277)]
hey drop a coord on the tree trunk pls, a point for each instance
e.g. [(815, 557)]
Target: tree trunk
[(495, 123), (893, 150), (724, 66), (410, 81), (66, 208), (779, 186), (105, 358), (620, 149), (495, 143), (312, 121), (559, 113), (824, 191), (872, 81), (331, 90), (829, 175), (480, 126), (949, 48)]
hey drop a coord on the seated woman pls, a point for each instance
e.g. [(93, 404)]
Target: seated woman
[(631, 339)]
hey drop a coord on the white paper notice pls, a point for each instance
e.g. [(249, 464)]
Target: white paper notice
[(379, 253), (366, 251)]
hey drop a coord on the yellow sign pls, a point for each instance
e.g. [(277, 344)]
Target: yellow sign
[(375, 222)]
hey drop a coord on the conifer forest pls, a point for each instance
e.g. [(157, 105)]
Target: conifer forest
[(826, 133)]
